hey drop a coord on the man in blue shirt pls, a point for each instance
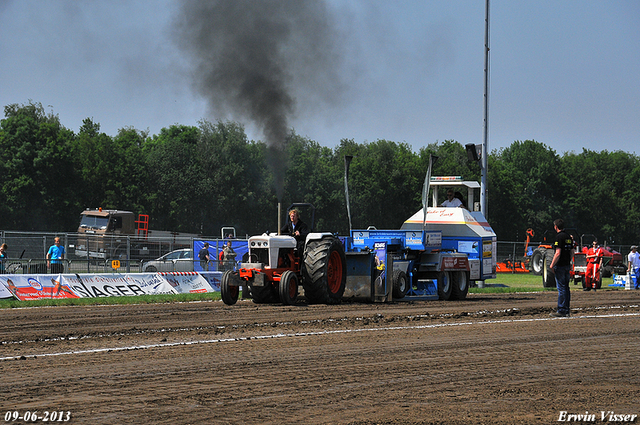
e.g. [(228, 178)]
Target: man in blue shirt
[(55, 254)]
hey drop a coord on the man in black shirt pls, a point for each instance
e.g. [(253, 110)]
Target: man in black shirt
[(561, 265), (204, 257)]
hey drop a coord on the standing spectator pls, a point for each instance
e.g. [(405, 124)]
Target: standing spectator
[(54, 257), (228, 257), (3, 256), (561, 265), (634, 264), (594, 265), (204, 257)]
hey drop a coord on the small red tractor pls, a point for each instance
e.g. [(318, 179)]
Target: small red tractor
[(275, 269)]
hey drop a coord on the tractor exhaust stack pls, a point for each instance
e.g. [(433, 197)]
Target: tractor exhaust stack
[(279, 216)]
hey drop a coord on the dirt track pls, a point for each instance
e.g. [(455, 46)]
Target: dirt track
[(492, 359)]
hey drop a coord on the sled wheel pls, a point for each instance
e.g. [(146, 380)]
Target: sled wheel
[(400, 284), (460, 286), (444, 285)]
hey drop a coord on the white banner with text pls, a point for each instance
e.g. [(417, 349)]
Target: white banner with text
[(86, 285)]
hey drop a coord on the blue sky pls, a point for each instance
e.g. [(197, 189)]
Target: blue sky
[(562, 72)]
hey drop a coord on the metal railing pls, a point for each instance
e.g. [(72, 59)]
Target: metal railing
[(40, 266), (84, 253)]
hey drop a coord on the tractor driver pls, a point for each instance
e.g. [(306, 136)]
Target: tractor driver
[(296, 228)]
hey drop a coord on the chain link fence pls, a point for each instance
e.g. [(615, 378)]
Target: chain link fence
[(27, 252)]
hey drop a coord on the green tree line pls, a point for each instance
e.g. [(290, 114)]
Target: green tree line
[(200, 178)]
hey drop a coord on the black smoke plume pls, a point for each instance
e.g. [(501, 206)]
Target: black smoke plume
[(253, 59)]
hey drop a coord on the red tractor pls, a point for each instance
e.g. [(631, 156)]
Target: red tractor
[(276, 267)]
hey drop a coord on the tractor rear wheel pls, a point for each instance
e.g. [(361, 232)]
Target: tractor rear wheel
[(228, 293), (400, 284), (445, 286), (460, 286), (288, 288), (548, 275), (536, 261), (324, 271)]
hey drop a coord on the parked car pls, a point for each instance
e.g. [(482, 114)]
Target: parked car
[(180, 260)]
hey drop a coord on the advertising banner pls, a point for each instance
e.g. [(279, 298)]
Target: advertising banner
[(117, 284), (36, 287), (4, 292), (187, 282), (214, 279)]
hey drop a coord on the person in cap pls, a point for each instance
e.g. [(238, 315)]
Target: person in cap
[(634, 263)]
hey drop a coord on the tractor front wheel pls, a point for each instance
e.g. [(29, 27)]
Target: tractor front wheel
[(228, 293), (288, 288)]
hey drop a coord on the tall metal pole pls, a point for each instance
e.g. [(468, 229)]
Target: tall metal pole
[(347, 161), (485, 142)]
